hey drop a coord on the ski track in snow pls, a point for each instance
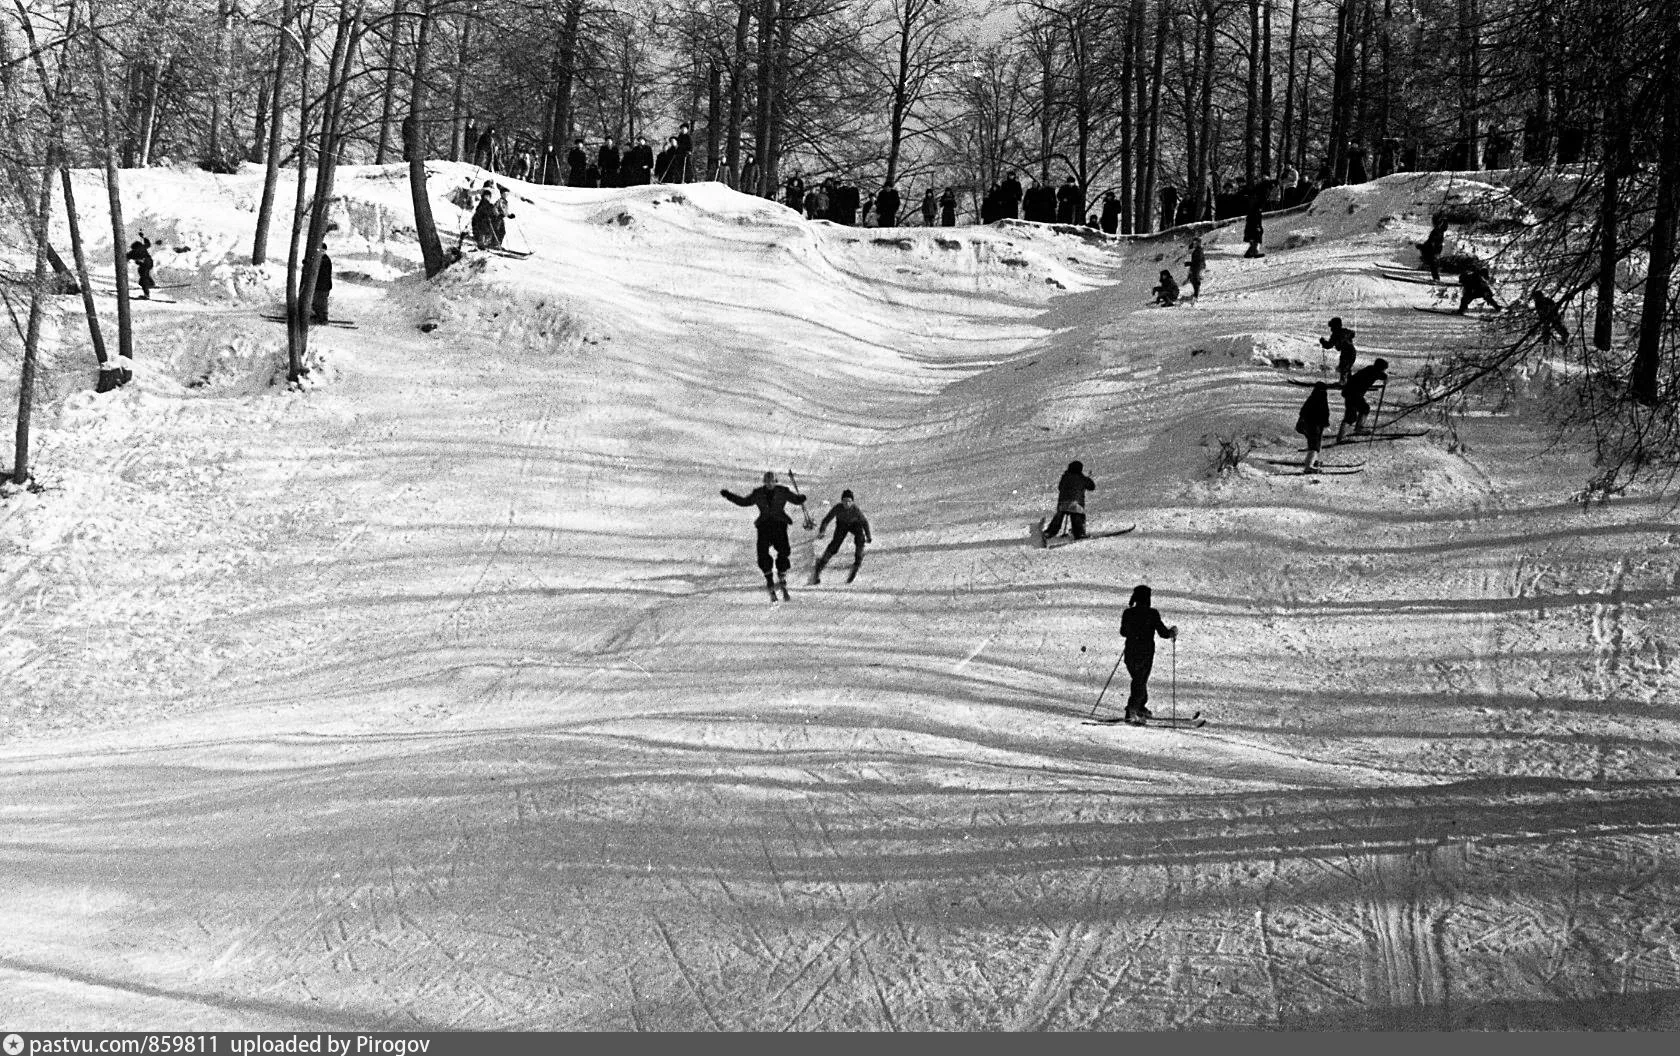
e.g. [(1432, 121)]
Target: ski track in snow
[(443, 694)]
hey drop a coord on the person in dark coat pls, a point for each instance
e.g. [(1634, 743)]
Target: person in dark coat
[(814, 204), (577, 165), (1009, 197), (1430, 248), (850, 200), (886, 207), (1110, 213), (1356, 403), (1254, 229), (1197, 264), (1039, 203), (638, 163), (1070, 202), (1139, 625), (948, 208), (1166, 294), (1070, 501), (1341, 339), (140, 252), (323, 289), (1169, 207), (1550, 316), (848, 521), (1473, 285), (1356, 164), (484, 152), (930, 208), (796, 194), (662, 163), (608, 162), (772, 522), (685, 150), (1311, 423), (489, 224)]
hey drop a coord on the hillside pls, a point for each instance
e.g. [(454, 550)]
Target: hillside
[(444, 693)]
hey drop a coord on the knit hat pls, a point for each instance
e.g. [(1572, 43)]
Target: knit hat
[(846, 494), (769, 476)]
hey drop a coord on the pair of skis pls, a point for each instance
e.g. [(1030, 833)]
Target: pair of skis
[(1193, 721), (1046, 543)]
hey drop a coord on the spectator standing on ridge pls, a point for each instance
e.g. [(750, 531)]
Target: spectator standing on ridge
[(930, 208), (608, 161), (948, 208), (886, 207)]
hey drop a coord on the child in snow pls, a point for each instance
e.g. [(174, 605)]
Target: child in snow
[(140, 252), (772, 523), (1166, 294), (1311, 423), (1198, 264), (848, 521), (1355, 395), (1551, 318), (1341, 339), (1139, 625), (1070, 501)]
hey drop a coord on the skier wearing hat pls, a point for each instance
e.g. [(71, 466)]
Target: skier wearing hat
[(1139, 625), (772, 523), (1070, 501), (849, 520), (1355, 396), (489, 219), (1341, 339)]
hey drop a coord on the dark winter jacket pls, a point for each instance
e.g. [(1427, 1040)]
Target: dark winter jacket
[(323, 277), (1071, 489), (1167, 292), (886, 206), (1363, 381), (638, 164), (607, 159), (1070, 203), (140, 251), (1198, 259), (486, 223), (1432, 245), (770, 500), (1341, 339), (846, 520), (1254, 229), (1315, 412), (1139, 625), (948, 209), (928, 208), (577, 162)]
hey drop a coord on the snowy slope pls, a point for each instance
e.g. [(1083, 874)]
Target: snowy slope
[(445, 692)]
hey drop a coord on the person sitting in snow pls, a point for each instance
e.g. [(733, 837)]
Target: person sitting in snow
[(1166, 294), (489, 220), (140, 252), (772, 523), (848, 521), (1341, 339), (1551, 318), (1070, 501), (1355, 396), (1474, 286), (1139, 625)]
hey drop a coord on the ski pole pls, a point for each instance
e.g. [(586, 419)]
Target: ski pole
[(1381, 396), (1175, 678), (1098, 704)]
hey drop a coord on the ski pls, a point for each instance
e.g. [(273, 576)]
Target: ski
[(1453, 311), (514, 253), (1309, 384), (1423, 280), (1051, 544), (341, 324), (1322, 465), (1323, 471), (1361, 438), (1193, 720)]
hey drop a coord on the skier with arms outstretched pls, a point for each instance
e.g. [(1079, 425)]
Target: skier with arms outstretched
[(771, 499)]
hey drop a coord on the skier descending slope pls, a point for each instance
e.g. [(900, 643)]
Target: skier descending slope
[(849, 520), (771, 499), (1139, 625)]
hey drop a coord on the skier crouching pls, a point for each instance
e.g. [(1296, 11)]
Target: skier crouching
[(1139, 625), (772, 523), (848, 521)]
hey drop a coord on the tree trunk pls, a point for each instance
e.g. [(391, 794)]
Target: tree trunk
[(1470, 75), (770, 174), (900, 90), (149, 110), (414, 137), (32, 333), (1285, 143), (1152, 153), (388, 95), (107, 369), (458, 99), (1615, 158), (224, 66), (1266, 101), (259, 135), (276, 125), (766, 71), (714, 119), (1655, 315), (1128, 129), (119, 230), (738, 94), (1251, 122), (1204, 165)]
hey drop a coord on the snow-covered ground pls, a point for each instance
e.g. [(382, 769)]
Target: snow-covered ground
[(444, 693)]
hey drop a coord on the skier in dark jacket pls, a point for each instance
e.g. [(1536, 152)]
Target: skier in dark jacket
[(1341, 339), (1356, 396), (848, 521), (1311, 423), (1430, 248), (1198, 264), (323, 288), (1254, 228), (1166, 294), (140, 252), (948, 208), (1550, 316), (1139, 625), (1070, 501), (772, 523), (1473, 286), (488, 219), (886, 207)]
